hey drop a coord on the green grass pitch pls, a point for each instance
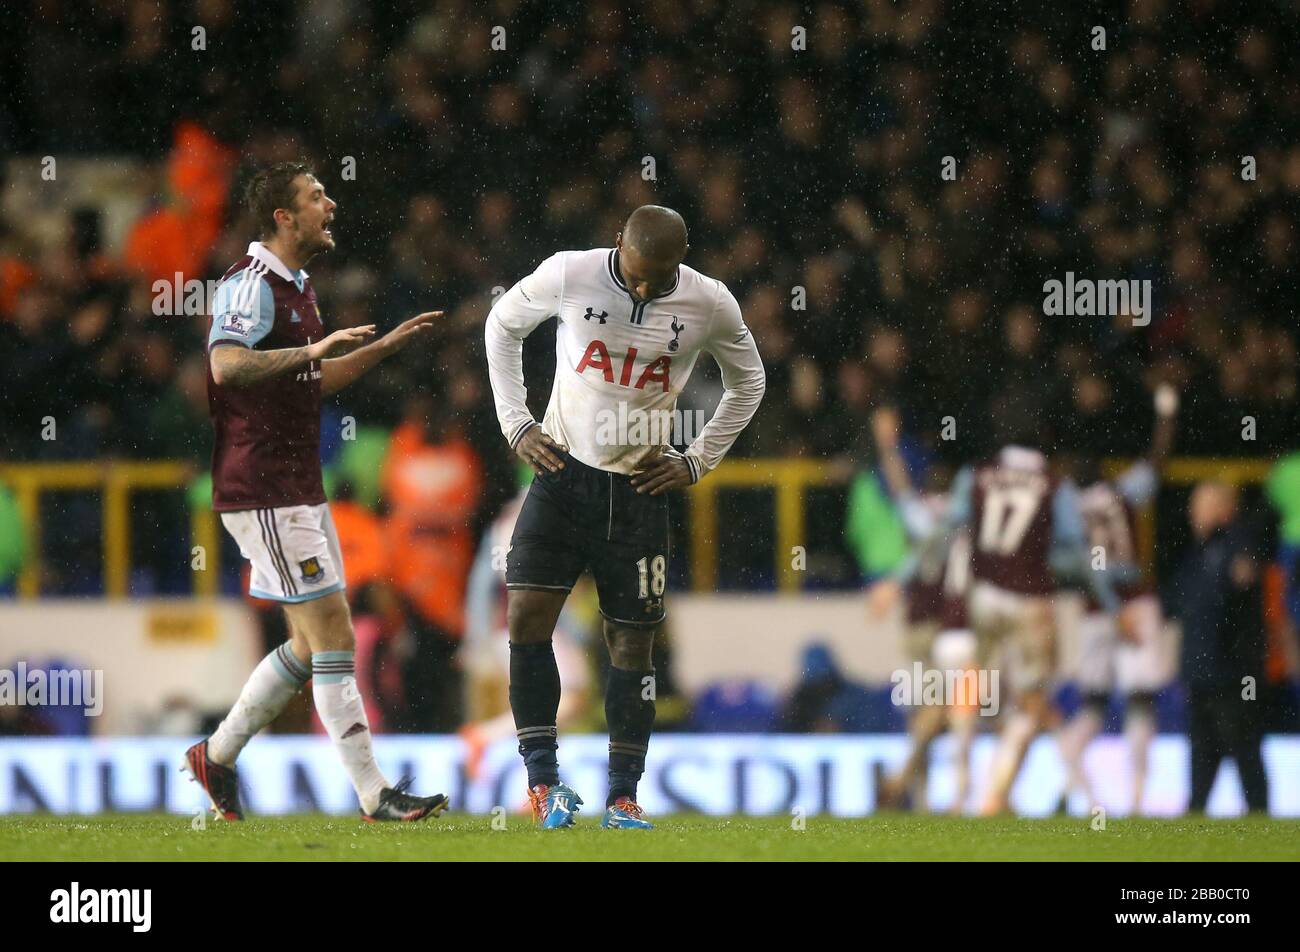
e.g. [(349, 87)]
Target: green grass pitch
[(677, 838)]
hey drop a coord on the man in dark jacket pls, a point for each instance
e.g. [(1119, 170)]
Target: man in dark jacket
[(1216, 595)]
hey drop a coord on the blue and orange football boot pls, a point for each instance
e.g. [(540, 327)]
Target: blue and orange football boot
[(554, 807), (625, 814)]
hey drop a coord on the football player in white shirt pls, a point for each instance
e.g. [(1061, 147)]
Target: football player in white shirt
[(632, 322)]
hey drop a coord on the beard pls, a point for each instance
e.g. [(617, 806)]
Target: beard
[(313, 244)]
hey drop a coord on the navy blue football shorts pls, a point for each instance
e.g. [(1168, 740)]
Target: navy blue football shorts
[(585, 518)]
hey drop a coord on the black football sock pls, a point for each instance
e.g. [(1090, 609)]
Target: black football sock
[(630, 720), (534, 699)]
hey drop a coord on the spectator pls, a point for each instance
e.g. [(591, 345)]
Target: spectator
[(432, 483), (825, 701)]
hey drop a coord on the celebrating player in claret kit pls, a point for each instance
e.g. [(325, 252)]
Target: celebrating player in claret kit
[(936, 585), (1026, 531), (632, 322), (270, 360), (1124, 649)]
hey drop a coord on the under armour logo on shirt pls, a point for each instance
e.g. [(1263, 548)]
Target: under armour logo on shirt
[(591, 312)]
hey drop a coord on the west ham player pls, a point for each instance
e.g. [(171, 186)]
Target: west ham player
[(270, 360), (937, 580), (632, 322), (1124, 649), (1025, 527)]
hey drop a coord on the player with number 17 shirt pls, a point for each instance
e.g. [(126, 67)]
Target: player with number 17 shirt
[(1026, 529)]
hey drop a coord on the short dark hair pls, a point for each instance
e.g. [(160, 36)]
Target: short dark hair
[(272, 188)]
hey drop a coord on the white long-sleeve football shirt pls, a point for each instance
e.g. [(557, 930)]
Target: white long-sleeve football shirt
[(620, 362)]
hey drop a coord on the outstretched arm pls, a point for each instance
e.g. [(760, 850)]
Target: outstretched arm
[(933, 537), (243, 313), (1069, 550), (918, 520), (1138, 483), (884, 427), (1166, 416), (242, 366), (338, 372)]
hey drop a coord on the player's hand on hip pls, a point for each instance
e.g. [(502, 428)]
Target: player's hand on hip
[(540, 451), (662, 473), (341, 342), (405, 332)]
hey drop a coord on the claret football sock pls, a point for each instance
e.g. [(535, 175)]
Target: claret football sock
[(630, 713), (534, 700), (271, 686), (341, 710)]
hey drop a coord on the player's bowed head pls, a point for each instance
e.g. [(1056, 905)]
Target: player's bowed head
[(651, 246)]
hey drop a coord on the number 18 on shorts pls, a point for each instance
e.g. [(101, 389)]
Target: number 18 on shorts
[(583, 518)]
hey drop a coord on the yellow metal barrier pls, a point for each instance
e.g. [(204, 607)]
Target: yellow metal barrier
[(116, 481), (789, 478)]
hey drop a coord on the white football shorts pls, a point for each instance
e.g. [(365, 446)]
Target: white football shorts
[(1020, 627), (1107, 661), (294, 551)]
